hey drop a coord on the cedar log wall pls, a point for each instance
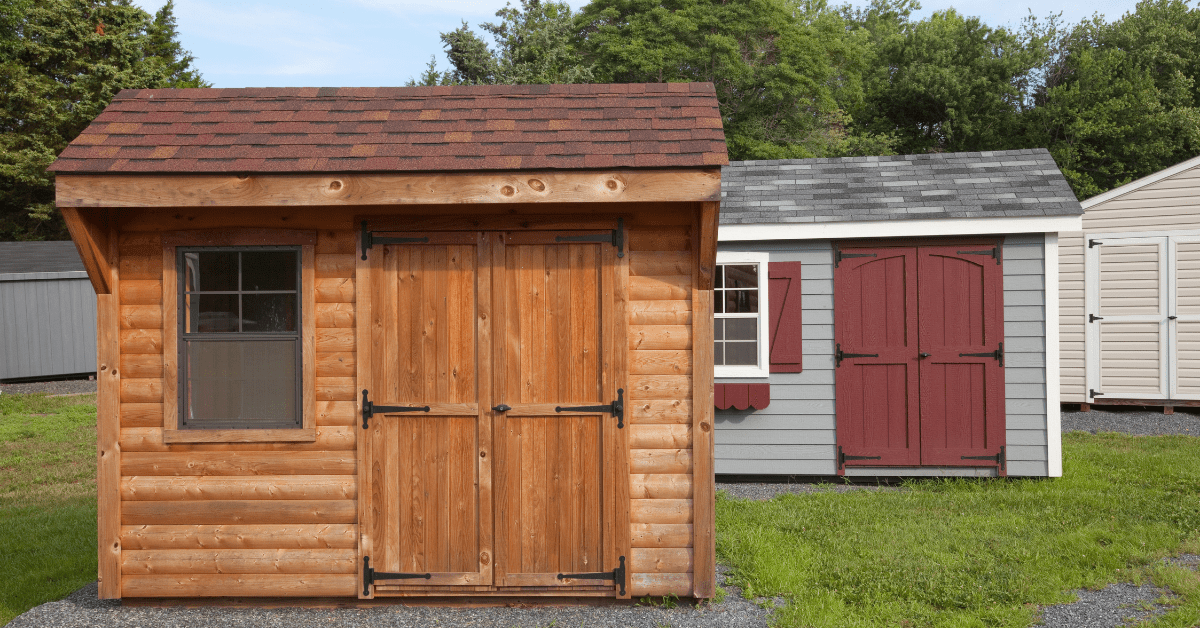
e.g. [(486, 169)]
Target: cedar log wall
[(279, 519)]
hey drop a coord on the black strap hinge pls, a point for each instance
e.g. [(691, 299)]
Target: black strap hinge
[(617, 238), (617, 576), (369, 239), (999, 458), (370, 576), (616, 408), (369, 409), (1093, 393), (838, 255), (840, 355), (1092, 243), (843, 457), (997, 355), (1093, 318), (994, 253)]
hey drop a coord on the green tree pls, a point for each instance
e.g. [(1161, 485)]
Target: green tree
[(786, 73), (61, 62), (473, 62), (1121, 100), (948, 82), (535, 43)]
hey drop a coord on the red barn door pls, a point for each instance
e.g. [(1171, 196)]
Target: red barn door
[(875, 328), (962, 330), (919, 356)]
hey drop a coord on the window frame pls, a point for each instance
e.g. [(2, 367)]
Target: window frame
[(762, 261), (239, 239)]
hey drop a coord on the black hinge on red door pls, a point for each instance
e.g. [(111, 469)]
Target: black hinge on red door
[(843, 457), (617, 238), (840, 355), (997, 355), (616, 408), (838, 255), (370, 576), (999, 458), (616, 575), (369, 239), (369, 409), (993, 252)]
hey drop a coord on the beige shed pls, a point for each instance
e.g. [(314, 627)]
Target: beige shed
[(1130, 294)]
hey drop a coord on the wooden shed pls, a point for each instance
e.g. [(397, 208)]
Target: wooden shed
[(403, 341), (890, 316), (47, 312), (1130, 291)]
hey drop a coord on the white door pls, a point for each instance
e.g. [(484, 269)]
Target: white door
[(1184, 319), (1128, 304)]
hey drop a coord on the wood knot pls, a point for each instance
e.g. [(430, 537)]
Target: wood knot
[(537, 185), (704, 426), (484, 558), (335, 185), (114, 372), (611, 184), (103, 367), (507, 190)]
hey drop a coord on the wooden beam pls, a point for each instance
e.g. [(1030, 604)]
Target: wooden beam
[(704, 480), (108, 415), (595, 186), (89, 230)]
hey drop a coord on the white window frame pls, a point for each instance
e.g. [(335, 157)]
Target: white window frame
[(763, 369)]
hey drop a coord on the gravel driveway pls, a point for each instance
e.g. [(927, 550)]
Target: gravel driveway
[(1108, 608)]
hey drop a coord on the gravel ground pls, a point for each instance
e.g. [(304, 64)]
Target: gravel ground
[(1114, 605), (58, 387), (81, 609), (762, 491), (1133, 420)]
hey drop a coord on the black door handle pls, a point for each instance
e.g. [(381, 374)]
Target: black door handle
[(502, 408), (924, 355)]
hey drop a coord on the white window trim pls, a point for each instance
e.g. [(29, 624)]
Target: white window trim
[(763, 370)]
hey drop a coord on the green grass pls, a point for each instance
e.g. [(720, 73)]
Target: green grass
[(47, 499), (971, 552)]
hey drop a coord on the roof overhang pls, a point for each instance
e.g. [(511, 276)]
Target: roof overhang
[(899, 228), (422, 188)]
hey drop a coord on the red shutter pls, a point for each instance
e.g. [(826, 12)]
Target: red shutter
[(785, 311), (741, 396)]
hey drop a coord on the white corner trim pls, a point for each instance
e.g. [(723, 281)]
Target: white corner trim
[(1149, 179), (899, 228), (1054, 462), (762, 260)]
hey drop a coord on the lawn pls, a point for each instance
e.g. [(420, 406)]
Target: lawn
[(971, 552), (937, 553), (47, 499)]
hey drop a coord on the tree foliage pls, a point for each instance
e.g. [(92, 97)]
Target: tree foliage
[(61, 62)]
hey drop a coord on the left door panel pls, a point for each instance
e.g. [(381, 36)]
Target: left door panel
[(419, 341)]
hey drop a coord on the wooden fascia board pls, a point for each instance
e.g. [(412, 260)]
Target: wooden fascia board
[(272, 190), (89, 231)]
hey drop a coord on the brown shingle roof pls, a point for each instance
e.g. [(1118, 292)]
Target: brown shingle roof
[(389, 129)]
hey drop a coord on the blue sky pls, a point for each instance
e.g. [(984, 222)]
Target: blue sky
[(368, 43)]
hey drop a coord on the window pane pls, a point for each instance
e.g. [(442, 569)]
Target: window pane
[(212, 313), (268, 312), (719, 329), (741, 301), (741, 329), (211, 270), (719, 353), (741, 353), (718, 282), (741, 276), (718, 302), (249, 384), (269, 270)]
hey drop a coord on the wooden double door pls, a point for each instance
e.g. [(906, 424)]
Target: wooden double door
[(474, 474), (919, 334)]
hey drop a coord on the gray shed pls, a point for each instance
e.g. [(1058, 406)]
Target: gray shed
[(909, 317), (47, 312)]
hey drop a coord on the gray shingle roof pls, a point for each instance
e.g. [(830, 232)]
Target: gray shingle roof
[(39, 257), (903, 187)]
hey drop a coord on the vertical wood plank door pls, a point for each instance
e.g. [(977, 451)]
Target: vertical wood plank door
[(961, 325), (423, 509), (553, 305), (1128, 328), (875, 311)]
